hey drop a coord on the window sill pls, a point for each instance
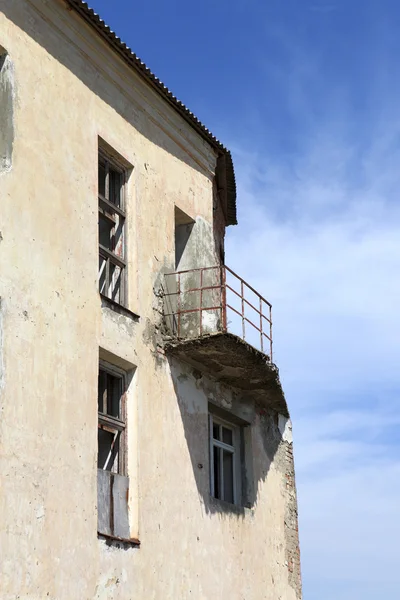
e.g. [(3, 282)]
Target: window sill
[(227, 507), (111, 304), (113, 539)]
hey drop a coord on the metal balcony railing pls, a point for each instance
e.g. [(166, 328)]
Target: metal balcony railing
[(209, 300)]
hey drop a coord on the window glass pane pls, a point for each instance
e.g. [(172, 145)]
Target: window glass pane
[(102, 179), (216, 429), (106, 237), (115, 283), (118, 242), (108, 444), (114, 393), (216, 472), (227, 462), (115, 180), (227, 436), (102, 275), (102, 391)]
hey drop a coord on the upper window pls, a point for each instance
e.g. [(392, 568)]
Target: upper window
[(225, 460), (183, 229), (112, 265)]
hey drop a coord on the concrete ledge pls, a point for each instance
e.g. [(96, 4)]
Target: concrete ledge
[(113, 539), (236, 363), (118, 308)]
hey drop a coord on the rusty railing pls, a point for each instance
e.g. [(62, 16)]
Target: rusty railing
[(225, 297)]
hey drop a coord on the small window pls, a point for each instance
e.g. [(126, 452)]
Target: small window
[(225, 460), (183, 229), (111, 194)]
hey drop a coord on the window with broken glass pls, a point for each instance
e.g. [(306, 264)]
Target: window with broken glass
[(112, 481), (224, 460), (111, 418), (112, 265)]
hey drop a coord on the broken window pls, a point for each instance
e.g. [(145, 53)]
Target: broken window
[(112, 483), (111, 192), (111, 431), (225, 460)]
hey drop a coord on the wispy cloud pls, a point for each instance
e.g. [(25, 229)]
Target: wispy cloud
[(322, 243), (324, 249), (327, 254)]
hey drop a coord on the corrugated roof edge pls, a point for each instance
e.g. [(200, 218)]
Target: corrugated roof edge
[(130, 57)]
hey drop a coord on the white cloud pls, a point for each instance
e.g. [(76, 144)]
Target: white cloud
[(327, 262), (323, 244), (319, 236)]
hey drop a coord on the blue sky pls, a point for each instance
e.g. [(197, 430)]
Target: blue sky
[(306, 94)]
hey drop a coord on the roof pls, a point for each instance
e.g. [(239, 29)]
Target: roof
[(133, 61)]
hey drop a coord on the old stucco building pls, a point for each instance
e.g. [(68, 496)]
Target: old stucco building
[(145, 450)]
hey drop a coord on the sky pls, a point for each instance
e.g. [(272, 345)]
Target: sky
[(306, 95)]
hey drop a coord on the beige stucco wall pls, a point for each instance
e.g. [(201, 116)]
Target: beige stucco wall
[(69, 91)]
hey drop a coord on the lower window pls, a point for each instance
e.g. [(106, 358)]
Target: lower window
[(111, 410), (112, 483), (225, 460)]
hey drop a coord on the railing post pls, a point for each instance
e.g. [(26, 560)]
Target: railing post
[(179, 306), (270, 331), (243, 321), (223, 299), (201, 303), (261, 327)]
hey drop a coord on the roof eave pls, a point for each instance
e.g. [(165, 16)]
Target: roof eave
[(132, 59)]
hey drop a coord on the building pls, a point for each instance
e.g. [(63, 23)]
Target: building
[(146, 452)]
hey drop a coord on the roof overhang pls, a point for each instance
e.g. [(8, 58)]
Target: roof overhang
[(226, 179)]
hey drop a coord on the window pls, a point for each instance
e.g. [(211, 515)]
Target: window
[(112, 265), (111, 430), (112, 482), (183, 229), (225, 460)]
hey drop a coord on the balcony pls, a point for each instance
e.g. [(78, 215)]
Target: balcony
[(211, 300), (220, 324)]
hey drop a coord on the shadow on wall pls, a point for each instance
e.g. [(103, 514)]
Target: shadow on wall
[(56, 43), (262, 440)]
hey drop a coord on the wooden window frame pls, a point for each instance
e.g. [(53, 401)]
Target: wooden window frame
[(114, 425), (116, 216), (236, 449)]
